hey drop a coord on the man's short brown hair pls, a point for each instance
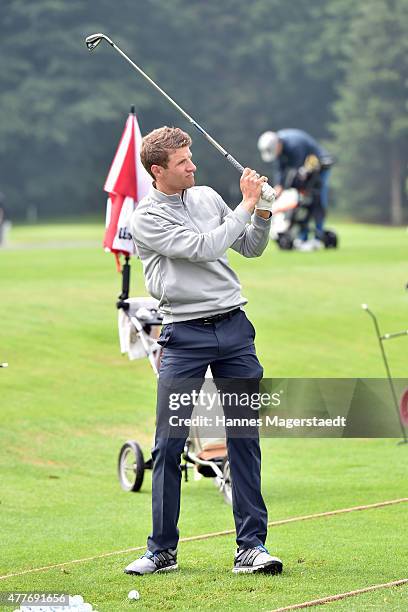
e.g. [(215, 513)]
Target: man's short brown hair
[(157, 145)]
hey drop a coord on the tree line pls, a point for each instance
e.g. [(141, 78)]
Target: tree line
[(335, 68)]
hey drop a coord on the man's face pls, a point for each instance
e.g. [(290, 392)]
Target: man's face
[(179, 173)]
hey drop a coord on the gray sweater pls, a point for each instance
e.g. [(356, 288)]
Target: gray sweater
[(182, 240)]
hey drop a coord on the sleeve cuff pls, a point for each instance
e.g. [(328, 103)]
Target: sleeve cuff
[(242, 214), (260, 221)]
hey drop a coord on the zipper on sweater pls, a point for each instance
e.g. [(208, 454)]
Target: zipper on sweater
[(187, 213)]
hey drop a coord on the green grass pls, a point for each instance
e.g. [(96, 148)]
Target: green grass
[(69, 400)]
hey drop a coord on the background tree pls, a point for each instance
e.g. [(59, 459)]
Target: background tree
[(239, 68), (371, 120)]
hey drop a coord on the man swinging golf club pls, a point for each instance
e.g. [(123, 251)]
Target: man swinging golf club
[(182, 233)]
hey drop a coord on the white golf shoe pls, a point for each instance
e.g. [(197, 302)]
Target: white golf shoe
[(306, 246), (149, 563), (252, 560), (317, 244)]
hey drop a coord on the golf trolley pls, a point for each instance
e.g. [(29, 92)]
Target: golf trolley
[(139, 326), (303, 189)]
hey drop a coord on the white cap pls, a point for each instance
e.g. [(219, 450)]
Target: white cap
[(267, 145)]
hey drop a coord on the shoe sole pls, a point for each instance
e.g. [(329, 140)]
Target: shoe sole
[(170, 568), (273, 567)]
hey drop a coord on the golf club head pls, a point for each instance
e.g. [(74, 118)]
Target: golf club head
[(93, 40)]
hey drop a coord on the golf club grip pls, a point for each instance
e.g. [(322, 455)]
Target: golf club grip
[(234, 162), (268, 192)]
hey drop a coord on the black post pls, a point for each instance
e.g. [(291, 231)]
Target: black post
[(125, 285)]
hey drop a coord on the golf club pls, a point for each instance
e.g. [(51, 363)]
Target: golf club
[(381, 339), (92, 41)]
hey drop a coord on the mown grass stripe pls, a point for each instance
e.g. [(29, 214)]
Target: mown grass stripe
[(213, 534), (330, 598)]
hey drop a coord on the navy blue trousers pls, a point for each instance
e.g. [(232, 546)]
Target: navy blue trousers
[(228, 348)]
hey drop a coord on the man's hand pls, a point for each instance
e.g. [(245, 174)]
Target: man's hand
[(251, 185), (265, 205), (263, 212)]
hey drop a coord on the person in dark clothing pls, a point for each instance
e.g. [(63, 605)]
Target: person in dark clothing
[(288, 149)]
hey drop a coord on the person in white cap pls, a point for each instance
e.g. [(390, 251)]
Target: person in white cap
[(288, 150)]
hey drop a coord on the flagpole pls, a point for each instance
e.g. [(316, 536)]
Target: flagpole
[(125, 285)]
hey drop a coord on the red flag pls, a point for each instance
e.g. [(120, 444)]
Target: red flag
[(127, 183)]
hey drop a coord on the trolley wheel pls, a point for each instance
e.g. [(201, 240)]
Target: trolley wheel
[(330, 239), (285, 241), (227, 488), (131, 466)]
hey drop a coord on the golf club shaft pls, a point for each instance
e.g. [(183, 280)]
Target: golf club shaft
[(267, 192), (210, 139)]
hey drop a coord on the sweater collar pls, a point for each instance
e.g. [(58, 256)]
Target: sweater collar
[(159, 196)]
